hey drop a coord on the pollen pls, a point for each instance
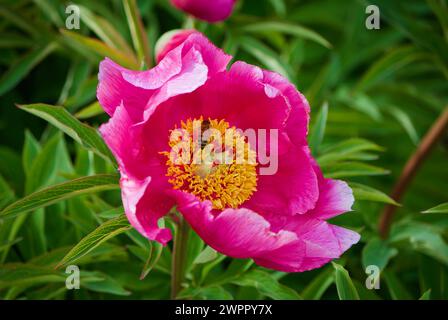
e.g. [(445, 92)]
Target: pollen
[(213, 161)]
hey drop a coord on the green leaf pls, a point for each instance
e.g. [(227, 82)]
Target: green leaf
[(18, 20), (441, 208), (345, 149), (43, 166), (377, 252), (207, 293), (16, 274), (352, 169), (235, 270), (396, 289), (104, 30), (90, 111), (265, 55), (426, 295), (65, 190), (138, 32), (101, 282), (50, 9), (318, 131), (288, 28), (7, 245), (154, 255), (279, 7), (363, 192), (359, 101), (207, 255), (388, 65), (317, 287), (432, 276), (267, 285), (104, 232), (6, 193), (424, 238), (344, 285), (406, 122), (22, 67), (62, 119), (31, 149), (101, 49)]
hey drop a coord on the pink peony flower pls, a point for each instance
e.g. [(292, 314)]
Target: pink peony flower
[(279, 220), (208, 10)]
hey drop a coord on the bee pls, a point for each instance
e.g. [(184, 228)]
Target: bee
[(205, 125)]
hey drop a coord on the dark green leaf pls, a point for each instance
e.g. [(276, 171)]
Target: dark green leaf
[(62, 119), (101, 234), (344, 284), (60, 192), (267, 285)]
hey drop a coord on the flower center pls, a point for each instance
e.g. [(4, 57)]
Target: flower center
[(213, 161)]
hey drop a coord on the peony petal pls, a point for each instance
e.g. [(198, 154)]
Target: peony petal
[(197, 57), (335, 198), (170, 40), (318, 243), (297, 124), (130, 147), (293, 189), (145, 202), (211, 11), (113, 90), (239, 233)]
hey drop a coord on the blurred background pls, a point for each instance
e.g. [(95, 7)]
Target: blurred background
[(373, 94)]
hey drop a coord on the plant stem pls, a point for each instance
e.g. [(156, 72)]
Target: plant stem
[(138, 32), (178, 265), (410, 169)]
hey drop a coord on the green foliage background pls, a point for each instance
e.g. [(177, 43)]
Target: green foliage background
[(374, 94)]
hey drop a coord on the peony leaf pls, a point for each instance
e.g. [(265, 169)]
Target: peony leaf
[(424, 238), (352, 169), (345, 150), (22, 67), (30, 150), (426, 295), (154, 255), (207, 293), (15, 274), (317, 134), (101, 282), (377, 252), (207, 255), (90, 111), (65, 190), (363, 192), (6, 193), (317, 287), (288, 28), (265, 55), (104, 232), (406, 122), (62, 119), (383, 68), (101, 49), (396, 289), (344, 285), (441, 208), (267, 285), (104, 30), (138, 32)]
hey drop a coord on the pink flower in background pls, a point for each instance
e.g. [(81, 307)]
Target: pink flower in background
[(278, 220), (208, 10)]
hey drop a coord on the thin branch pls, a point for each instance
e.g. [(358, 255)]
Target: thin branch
[(431, 138)]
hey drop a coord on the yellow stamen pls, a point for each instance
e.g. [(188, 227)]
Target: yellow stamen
[(226, 171)]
